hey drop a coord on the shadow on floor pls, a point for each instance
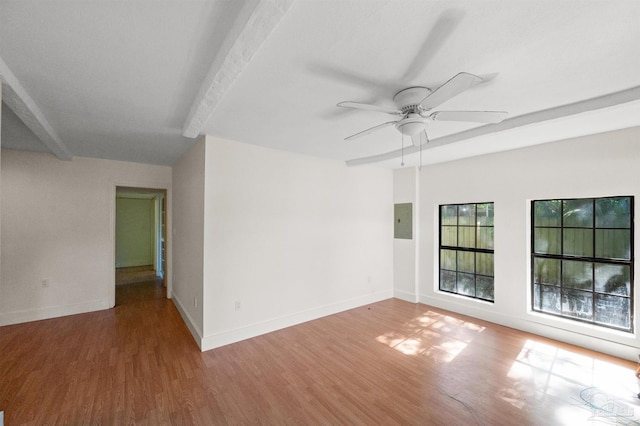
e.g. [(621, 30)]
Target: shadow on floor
[(151, 290)]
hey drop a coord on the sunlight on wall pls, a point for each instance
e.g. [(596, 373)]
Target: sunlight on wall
[(433, 335)]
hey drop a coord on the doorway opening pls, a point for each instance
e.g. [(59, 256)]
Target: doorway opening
[(140, 242)]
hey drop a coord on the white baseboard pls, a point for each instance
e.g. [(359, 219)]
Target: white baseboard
[(216, 340), (193, 328), (18, 317), (405, 295)]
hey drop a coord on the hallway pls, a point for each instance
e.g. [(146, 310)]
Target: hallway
[(136, 274)]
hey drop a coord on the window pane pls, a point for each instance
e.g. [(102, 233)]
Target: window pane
[(546, 271), (484, 263), (547, 213), (577, 274), (466, 249), (449, 215), (578, 213), (578, 304), (448, 281), (578, 242), (613, 212), (448, 260), (466, 262), (449, 235), (614, 279), (484, 287), (467, 236), (536, 297), (484, 214), (570, 282), (613, 243), (466, 284), (613, 310), (485, 238), (547, 240), (467, 214), (550, 299)]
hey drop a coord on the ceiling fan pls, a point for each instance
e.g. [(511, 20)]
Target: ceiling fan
[(414, 107)]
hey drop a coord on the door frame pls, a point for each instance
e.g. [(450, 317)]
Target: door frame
[(164, 188)]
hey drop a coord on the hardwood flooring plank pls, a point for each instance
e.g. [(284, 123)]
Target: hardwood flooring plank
[(391, 362)]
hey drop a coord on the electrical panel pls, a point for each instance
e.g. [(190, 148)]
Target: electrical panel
[(403, 221)]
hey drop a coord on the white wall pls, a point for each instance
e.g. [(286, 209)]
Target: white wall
[(58, 224), (135, 232), (291, 238), (599, 165), (1, 296), (405, 252), (187, 231)]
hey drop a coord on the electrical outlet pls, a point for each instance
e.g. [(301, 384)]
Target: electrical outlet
[(237, 305), (45, 283), (369, 285)]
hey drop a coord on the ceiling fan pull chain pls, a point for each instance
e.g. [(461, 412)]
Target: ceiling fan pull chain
[(402, 149), (426, 136), (420, 166)]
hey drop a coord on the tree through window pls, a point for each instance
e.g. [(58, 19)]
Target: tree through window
[(582, 259), (466, 250)]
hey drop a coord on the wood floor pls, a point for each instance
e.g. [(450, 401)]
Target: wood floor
[(135, 274), (388, 363)]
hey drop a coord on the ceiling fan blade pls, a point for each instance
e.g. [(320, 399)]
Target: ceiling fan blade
[(370, 130), (420, 138), (470, 116), (369, 107), (350, 78), (439, 33), (456, 85)]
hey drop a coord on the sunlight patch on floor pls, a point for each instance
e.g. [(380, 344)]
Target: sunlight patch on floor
[(541, 362), (433, 335), (593, 389)]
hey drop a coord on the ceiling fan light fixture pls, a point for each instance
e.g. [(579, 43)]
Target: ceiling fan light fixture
[(411, 129), (411, 125)]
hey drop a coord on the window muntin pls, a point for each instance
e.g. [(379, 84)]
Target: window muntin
[(466, 250), (582, 259)]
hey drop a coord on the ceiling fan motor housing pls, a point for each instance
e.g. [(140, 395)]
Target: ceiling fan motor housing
[(408, 101)]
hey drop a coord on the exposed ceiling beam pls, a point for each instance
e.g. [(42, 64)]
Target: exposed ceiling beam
[(256, 21), (19, 101), (588, 105)]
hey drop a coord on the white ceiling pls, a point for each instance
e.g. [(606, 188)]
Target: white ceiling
[(128, 80)]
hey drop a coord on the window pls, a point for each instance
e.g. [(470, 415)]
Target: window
[(582, 259), (466, 250)]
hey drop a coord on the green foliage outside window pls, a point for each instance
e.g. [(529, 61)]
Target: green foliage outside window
[(466, 250), (582, 259)]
